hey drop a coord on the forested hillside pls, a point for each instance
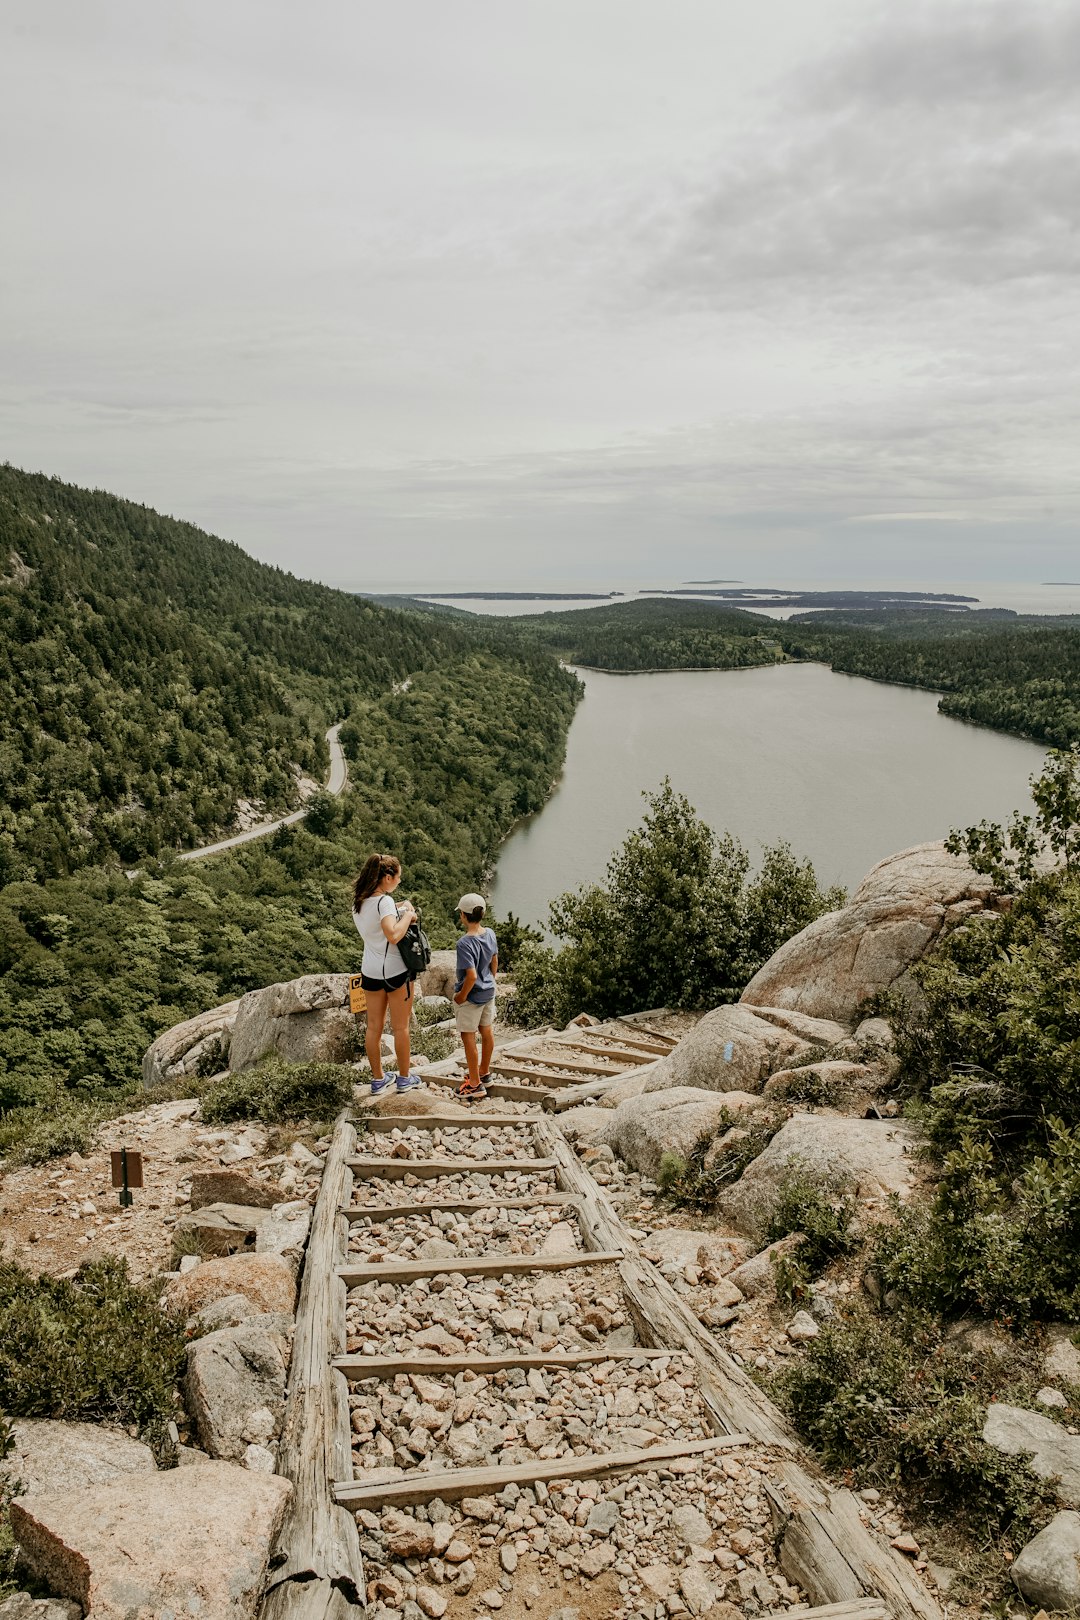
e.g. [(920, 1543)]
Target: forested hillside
[(654, 634), (995, 668), (152, 674), (1017, 675)]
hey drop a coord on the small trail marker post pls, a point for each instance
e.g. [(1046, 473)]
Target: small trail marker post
[(126, 1173)]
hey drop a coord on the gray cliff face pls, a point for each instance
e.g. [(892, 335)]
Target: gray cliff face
[(903, 905)]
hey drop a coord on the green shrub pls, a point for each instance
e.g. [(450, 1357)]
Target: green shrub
[(692, 1181), (1009, 1249), (823, 1215), (35, 1135), (278, 1092), (95, 1348), (8, 1485), (678, 922), (902, 1409)]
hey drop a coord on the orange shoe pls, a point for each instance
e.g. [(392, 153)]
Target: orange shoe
[(471, 1091)]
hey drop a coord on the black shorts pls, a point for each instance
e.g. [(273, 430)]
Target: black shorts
[(395, 983)]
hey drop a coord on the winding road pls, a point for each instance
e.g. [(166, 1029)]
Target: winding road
[(339, 776)]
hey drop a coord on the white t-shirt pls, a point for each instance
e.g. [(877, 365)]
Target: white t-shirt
[(381, 959)]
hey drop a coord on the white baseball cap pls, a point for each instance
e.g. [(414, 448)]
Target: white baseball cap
[(472, 902)]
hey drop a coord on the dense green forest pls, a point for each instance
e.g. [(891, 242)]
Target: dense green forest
[(151, 675), (995, 668), (1016, 676), (654, 634)]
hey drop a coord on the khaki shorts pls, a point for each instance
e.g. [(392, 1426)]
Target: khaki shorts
[(474, 1015)]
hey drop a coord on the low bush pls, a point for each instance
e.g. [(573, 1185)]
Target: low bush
[(692, 1181), (277, 1092), (1003, 1248), (898, 1407), (823, 1214), (95, 1348), (36, 1135), (8, 1485)]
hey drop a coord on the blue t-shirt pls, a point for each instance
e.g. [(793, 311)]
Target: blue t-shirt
[(477, 951)]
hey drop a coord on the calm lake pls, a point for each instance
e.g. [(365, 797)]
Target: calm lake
[(847, 770)]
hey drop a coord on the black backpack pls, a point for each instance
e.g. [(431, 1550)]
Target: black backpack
[(415, 949)]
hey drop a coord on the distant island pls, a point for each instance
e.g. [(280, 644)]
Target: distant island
[(1075, 583), (765, 596), (714, 582), (515, 596)]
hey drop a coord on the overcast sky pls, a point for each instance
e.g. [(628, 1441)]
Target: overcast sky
[(544, 292)]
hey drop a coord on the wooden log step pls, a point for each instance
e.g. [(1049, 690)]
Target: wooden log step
[(617, 1054), (481, 1265), (861, 1608), (571, 1065), (359, 1367), (391, 1212), (387, 1169), (668, 1042), (450, 1483), (503, 1090), (658, 1045), (382, 1124), (544, 1081)]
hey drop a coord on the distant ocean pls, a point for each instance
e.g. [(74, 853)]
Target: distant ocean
[(1022, 597)]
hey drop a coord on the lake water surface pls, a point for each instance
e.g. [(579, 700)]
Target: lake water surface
[(847, 770)]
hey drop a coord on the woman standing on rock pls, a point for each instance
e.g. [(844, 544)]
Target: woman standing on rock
[(381, 922)]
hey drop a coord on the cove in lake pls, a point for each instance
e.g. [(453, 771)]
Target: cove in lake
[(846, 770)]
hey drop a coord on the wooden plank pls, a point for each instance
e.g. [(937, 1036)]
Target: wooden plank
[(358, 1368), (380, 1168), (570, 1065), (318, 1539), (857, 1609), (391, 1212), (617, 1054), (822, 1543), (309, 1600), (559, 1102), (543, 1080), (503, 1090), (382, 1124), (657, 1046), (480, 1265), (448, 1483)]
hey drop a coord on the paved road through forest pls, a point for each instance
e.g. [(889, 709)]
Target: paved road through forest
[(339, 775)]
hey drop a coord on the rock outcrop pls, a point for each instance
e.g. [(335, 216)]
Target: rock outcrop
[(199, 1044), (50, 1456), (872, 1157), (265, 1279), (901, 907), (1051, 1452), (235, 1388), (1047, 1572), (730, 1049), (642, 1129), (188, 1541), (304, 1020), (21, 1606)]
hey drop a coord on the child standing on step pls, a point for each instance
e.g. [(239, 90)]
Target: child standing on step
[(474, 994)]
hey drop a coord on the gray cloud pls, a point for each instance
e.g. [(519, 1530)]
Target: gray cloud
[(938, 155), (544, 293)]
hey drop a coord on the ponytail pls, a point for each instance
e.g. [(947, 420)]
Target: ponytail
[(374, 869)]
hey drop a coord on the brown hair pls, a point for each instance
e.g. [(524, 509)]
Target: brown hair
[(374, 869)]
